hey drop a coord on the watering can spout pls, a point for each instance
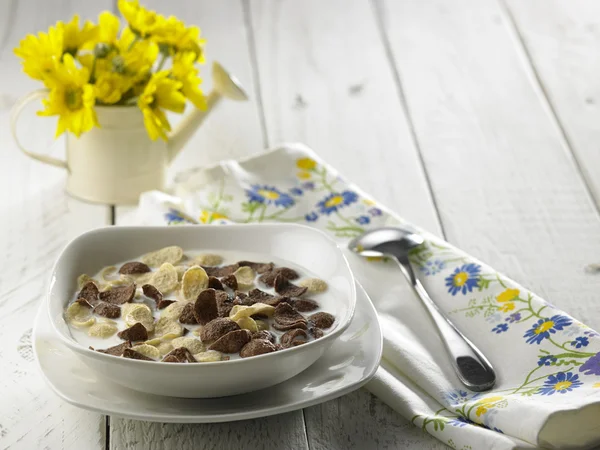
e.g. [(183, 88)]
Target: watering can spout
[(224, 86)]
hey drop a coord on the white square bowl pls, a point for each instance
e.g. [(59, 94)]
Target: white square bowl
[(301, 245)]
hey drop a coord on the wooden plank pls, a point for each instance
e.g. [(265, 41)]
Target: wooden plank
[(232, 132), (38, 220), (561, 39), (325, 80), (285, 431), (505, 182)]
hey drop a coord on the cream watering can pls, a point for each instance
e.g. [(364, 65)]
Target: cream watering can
[(115, 163)]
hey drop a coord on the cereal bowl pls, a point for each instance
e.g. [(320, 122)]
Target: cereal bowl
[(300, 245)]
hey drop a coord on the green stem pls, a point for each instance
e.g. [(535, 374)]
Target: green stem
[(349, 222), (501, 282), (262, 213), (570, 350), (326, 184), (161, 63), (93, 72), (137, 38)]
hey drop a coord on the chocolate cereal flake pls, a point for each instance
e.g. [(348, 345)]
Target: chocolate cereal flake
[(89, 292), (171, 359), (294, 337), (215, 283), (136, 332), (322, 320), (117, 350), (268, 278), (187, 315), (258, 296), (287, 318), (284, 287), (316, 332), (257, 347), (259, 268), (134, 267), (164, 303), (83, 302), (264, 334), (304, 304), (153, 293), (230, 281), (217, 328), (118, 295), (221, 271), (205, 307), (132, 354), (108, 310), (232, 342), (182, 355)]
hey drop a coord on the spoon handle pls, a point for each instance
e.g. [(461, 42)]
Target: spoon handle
[(472, 368)]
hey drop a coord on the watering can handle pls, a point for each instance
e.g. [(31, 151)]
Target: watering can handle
[(14, 117)]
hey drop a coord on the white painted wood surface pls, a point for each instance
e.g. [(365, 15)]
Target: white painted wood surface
[(435, 109), (37, 220), (562, 41)]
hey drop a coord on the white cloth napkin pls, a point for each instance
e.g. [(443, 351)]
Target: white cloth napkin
[(548, 364)]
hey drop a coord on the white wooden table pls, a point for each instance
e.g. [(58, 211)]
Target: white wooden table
[(477, 119)]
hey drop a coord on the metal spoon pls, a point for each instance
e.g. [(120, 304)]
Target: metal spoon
[(472, 368)]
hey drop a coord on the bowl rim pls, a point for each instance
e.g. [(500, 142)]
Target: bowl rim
[(80, 348)]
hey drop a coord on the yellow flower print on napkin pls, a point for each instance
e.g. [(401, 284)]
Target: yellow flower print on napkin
[(507, 307), (306, 164), (485, 404), (508, 295)]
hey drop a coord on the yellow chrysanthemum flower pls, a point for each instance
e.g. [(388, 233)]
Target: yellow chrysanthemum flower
[(160, 93), (110, 87), (41, 53), (183, 70), (304, 175), (75, 37), (71, 98), (143, 22), (137, 57), (180, 39), (107, 31)]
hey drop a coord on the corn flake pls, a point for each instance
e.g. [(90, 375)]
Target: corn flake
[(247, 323), (102, 330), (245, 277), (138, 312), (108, 273), (194, 281), (83, 279), (165, 278), (173, 311), (239, 311), (314, 285), (193, 345), (208, 356), (79, 316), (208, 259), (167, 328), (147, 350), (261, 325), (164, 348), (171, 255)]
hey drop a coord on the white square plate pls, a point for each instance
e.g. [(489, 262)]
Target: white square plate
[(347, 365)]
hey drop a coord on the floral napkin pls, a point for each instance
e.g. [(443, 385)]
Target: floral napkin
[(548, 363)]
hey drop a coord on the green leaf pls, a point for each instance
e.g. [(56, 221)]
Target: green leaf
[(472, 302)]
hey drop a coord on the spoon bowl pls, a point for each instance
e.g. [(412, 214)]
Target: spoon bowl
[(386, 241)]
